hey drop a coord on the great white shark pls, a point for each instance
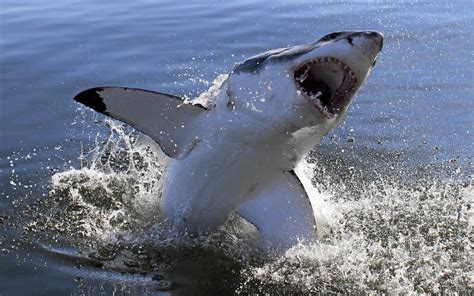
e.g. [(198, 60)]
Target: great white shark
[(236, 150)]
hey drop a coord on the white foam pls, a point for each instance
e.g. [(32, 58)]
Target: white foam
[(208, 97), (394, 237)]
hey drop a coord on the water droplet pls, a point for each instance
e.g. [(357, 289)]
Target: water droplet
[(164, 285), (131, 263), (105, 253)]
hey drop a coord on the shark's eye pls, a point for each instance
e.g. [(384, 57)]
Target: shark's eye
[(330, 36)]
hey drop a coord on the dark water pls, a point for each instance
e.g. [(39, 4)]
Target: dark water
[(393, 186)]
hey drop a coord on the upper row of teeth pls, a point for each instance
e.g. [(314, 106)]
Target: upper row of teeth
[(307, 66), (330, 59)]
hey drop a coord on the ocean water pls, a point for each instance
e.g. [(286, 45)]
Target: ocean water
[(393, 187)]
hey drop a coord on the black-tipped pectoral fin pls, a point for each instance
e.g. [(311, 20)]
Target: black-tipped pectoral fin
[(167, 119)]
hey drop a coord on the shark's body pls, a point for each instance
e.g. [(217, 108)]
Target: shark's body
[(236, 151)]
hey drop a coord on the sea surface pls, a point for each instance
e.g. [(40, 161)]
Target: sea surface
[(393, 187)]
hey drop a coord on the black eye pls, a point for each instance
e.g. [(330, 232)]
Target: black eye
[(350, 40), (331, 36)]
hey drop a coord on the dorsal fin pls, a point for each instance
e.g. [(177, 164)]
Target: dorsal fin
[(166, 118)]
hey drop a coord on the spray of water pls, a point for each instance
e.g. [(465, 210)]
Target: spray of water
[(381, 233), (381, 228)]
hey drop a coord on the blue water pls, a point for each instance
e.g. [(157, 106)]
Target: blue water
[(415, 113)]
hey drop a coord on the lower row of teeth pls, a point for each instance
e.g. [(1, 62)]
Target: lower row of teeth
[(301, 77), (314, 96)]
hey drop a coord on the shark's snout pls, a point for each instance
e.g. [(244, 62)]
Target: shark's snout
[(369, 43), (377, 37)]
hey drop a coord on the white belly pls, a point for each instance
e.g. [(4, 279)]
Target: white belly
[(204, 188)]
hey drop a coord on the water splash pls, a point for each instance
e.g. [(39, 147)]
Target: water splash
[(383, 227), (381, 235), (379, 232), (208, 97), (115, 191)]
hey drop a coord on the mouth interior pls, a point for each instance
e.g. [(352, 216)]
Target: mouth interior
[(327, 83)]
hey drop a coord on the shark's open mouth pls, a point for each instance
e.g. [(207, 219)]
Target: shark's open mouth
[(328, 83)]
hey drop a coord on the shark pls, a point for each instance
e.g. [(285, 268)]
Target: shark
[(235, 149)]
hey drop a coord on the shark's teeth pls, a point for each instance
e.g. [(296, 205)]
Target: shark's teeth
[(315, 96), (301, 77), (319, 98)]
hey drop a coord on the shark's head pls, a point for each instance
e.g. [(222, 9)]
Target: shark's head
[(310, 84)]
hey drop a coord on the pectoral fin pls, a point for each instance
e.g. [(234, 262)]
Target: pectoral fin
[(281, 211), (167, 119)]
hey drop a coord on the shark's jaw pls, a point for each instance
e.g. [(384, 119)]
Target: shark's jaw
[(327, 83)]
